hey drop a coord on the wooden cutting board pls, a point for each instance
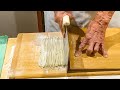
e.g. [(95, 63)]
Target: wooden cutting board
[(112, 45), (26, 57), (26, 68)]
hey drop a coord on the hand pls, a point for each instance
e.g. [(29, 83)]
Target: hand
[(95, 34), (59, 17), (95, 39)]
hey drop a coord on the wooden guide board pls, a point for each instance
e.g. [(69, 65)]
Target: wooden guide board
[(112, 45)]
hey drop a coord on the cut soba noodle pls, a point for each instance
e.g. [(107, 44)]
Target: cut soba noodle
[(54, 51)]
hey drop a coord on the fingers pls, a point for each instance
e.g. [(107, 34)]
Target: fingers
[(105, 54), (69, 13), (78, 53), (59, 18), (90, 48), (96, 48), (60, 14), (102, 51), (93, 48), (83, 43), (81, 47)]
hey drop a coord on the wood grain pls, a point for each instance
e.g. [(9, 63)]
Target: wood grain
[(27, 57), (112, 45)]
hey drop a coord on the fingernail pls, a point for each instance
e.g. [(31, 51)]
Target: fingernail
[(105, 56), (77, 53)]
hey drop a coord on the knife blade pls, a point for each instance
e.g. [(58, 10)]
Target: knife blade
[(66, 23)]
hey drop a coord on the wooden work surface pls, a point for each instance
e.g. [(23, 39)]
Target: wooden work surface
[(114, 47), (26, 57)]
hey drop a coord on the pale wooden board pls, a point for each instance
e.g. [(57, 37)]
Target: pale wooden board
[(26, 57), (8, 57), (112, 45)]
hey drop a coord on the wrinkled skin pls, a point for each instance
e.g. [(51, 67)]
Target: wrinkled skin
[(95, 34)]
